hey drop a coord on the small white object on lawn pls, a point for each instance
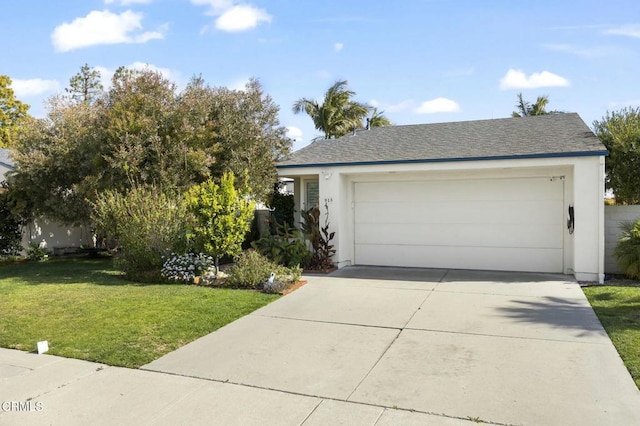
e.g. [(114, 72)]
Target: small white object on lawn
[(43, 347)]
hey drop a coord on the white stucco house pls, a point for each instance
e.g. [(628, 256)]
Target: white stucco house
[(53, 236), (513, 194)]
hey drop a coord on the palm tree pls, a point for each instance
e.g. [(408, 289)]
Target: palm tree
[(338, 114), (378, 119), (526, 109)]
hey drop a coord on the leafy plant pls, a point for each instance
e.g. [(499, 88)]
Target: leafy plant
[(147, 226), (319, 237), (282, 205), (221, 217), (627, 252), (252, 270), (286, 246), (36, 253), (185, 267), (10, 226)]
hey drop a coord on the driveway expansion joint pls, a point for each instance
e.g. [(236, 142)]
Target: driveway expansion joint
[(332, 322), (504, 337)]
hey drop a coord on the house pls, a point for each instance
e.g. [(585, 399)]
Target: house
[(513, 194), (53, 236)]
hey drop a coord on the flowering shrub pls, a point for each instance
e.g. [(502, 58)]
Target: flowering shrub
[(186, 267)]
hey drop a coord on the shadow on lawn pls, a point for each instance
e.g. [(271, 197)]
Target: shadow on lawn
[(67, 271), (557, 312)]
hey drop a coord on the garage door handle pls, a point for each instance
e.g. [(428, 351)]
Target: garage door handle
[(570, 219)]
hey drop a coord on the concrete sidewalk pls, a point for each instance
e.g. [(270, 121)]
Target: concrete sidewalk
[(365, 346)]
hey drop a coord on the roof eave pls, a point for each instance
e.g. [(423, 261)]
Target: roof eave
[(452, 160)]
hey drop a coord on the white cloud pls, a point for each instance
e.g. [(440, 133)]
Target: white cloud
[(294, 133), (516, 79), (102, 27), (437, 105), (33, 86), (338, 47), (239, 84), (241, 18), (398, 107), (625, 30), (127, 2), (233, 17)]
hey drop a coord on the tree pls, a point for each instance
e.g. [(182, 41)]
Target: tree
[(141, 133), (12, 113), (241, 130), (56, 163), (85, 86), (338, 114), (377, 119), (620, 133), (526, 109), (221, 217)]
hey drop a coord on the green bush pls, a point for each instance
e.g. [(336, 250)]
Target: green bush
[(252, 270), (10, 226), (287, 247), (627, 252), (36, 253), (147, 226)]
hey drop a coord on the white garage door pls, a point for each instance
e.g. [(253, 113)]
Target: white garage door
[(491, 224)]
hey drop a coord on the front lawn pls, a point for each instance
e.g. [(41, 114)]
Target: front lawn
[(618, 308), (86, 310)]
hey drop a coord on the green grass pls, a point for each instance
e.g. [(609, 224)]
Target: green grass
[(86, 310), (618, 308)]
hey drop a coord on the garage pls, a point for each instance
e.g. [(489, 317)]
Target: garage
[(484, 194), (492, 224)]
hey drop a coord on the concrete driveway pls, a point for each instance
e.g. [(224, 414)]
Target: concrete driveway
[(379, 346)]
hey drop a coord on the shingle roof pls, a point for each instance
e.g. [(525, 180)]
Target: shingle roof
[(553, 135), (5, 158)]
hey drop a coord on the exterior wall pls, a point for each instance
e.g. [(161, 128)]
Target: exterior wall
[(584, 189), (613, 217), (589, 219), (51, 235)]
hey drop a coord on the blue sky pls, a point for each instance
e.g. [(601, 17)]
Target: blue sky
[(421, 61)]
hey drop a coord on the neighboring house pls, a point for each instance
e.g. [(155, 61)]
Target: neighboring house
[(488, 194), (55, 237)]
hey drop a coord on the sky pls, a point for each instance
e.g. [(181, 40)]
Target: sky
[(420, 61)]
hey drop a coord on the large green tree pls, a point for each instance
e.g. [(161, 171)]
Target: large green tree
[(619, 131), (142, 133), (338, 114), (527, 109), (12, 113)]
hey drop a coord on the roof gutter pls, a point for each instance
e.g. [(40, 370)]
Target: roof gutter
[(452, 160)]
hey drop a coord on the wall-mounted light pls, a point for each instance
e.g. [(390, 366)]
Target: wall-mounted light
[(326, 173)]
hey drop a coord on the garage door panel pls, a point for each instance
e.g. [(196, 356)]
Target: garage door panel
[(459, 211), (504, 224), (483, 258), (458, 189), (458, 235)]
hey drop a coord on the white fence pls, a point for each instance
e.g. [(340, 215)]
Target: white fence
[(613, 217)]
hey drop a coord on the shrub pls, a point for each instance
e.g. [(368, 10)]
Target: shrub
[(10, 226), (252, 270), (221, 217), (320, 239), (287, 247), (627, 252), (185, 267), (147, 226), (36, 253)]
